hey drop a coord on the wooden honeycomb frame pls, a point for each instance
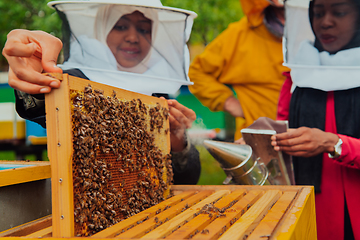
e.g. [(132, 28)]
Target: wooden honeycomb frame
[(61, 133)]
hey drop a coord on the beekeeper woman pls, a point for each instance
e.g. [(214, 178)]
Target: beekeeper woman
[(119, 45), (324, 110), (124, 39)]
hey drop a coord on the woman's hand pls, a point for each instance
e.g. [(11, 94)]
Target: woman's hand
[(233, 106), (180, 119), (304, 142), (30, 53)]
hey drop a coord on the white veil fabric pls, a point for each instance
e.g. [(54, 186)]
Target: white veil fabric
[(309, 67), (165, 67)]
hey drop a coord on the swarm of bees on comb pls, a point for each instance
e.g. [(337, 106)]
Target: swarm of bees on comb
[(118, 170)]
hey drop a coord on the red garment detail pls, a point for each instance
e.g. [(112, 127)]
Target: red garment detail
[(340, 177), (284, 98), (330, 202)]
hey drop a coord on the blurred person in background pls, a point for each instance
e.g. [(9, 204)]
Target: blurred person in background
[(240, 71)]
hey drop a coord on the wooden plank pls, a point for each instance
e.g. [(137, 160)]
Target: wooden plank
[(272, 219), (49, 235), (37, 140), (60, 153), (202, 220), (27, 173), (220, 225), (252, 217), (44, 238), (27, 228), (142, 229), (167, 228), (300, 221), (140, 217), (41, 233), (284, 188)]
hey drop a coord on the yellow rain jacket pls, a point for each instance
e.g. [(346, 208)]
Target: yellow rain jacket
[(247, 57)]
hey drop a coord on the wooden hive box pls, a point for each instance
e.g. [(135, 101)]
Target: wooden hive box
[(109, 152), (209, 212), (25, 192), (202, 212), (16, 172)]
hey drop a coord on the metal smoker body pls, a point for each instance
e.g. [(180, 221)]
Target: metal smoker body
[(239, 163), (244, 167)]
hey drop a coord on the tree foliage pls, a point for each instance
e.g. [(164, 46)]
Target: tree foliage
[(26, 14), (213, 18)]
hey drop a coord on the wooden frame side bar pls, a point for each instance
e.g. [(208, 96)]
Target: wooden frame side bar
[(58, 118)]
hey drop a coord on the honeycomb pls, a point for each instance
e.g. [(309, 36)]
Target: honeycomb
[(118, 170)]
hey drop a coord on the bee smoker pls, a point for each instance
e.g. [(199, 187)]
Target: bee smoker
[(239, 163)]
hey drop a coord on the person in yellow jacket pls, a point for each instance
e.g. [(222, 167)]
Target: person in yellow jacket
[(248, 57)]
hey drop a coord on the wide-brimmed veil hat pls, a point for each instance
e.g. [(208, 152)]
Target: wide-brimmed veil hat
[(165, 67), (141, 3), (312, 66)]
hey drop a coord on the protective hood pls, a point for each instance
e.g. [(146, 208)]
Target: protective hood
[(162, 68), (323, 54), (254, 10)]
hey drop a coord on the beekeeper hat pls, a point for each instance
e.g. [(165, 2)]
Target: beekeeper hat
[(169, 54), (311, 64)]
